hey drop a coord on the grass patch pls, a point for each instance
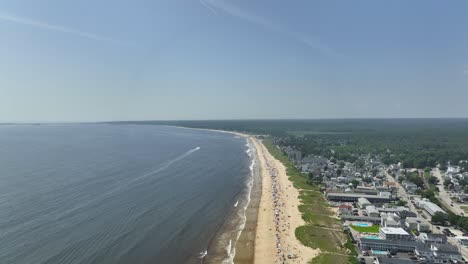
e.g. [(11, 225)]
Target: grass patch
[(325, 239), (464, 208), (330, 258), (366, 229)]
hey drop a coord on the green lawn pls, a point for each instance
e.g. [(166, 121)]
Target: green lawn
[(322, 229), (464, 208), (370, 229), (333, 258)]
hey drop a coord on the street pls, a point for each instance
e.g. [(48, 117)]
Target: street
[(444, 196)]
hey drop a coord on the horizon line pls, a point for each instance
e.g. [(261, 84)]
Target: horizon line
[(226, 119)]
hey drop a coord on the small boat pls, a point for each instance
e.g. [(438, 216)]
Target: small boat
[(235, 205), (203, 254)]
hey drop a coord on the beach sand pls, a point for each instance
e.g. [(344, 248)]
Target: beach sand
[(278, 215)]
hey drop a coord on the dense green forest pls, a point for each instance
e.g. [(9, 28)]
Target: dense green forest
[(417, 143)]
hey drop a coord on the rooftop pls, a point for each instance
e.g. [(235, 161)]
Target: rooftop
[(393, 230), (432, 206), (359, 195)]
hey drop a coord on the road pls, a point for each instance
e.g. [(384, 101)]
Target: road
[(444, 196)]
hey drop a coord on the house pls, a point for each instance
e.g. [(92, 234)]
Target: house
[(345, 209), (409, 186), (371, 211), (414, 223), (390, 220)]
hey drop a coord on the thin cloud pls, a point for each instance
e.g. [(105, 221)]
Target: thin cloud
[(211, 9), (239, 13), (12, 18)]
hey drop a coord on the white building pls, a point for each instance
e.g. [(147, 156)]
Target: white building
[(363, 202), (394, 233), (390, 220), (430, 207), (372, 211), (415, 223)]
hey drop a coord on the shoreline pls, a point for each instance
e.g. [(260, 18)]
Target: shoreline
[(277, 217)]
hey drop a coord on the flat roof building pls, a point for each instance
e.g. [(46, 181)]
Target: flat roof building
[(363, 202), (394, 233), (353, 197), (430, 207), (381, 244)]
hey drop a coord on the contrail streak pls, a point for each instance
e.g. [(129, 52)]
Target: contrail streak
[(57, 28), (234, 11)]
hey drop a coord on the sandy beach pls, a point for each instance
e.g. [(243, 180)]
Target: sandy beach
[(278, 215)]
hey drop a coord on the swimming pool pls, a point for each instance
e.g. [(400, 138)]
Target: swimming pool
[(362, 224), (379, 252), (372, 237)]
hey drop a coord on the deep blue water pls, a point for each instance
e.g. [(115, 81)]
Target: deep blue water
[(115, 193)]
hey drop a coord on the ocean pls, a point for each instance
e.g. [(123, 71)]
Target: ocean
[(98, 193)]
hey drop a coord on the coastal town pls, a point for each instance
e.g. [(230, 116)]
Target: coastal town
[(393, 214)]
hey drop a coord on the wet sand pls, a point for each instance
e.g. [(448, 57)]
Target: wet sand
[(245, 244)]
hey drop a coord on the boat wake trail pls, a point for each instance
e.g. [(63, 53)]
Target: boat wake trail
[(165, 165)]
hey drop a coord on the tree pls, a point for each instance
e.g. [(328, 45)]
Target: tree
[(433, 180), (439, 217), (355, 183), (341, 164), (447, 182), (401, 203)]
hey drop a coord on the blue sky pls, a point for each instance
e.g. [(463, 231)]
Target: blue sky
[(232, 59)]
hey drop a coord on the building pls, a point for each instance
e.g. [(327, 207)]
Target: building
[(354, 218), (366, 190), (363, 203), (394, 233), (371, 211), (353, 197), (410, 187), (386, 260), (390, 220), (390, 245), (414, 223), (432, 238), (402, 211), (430, 207), (345, 209), (438, 253)]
